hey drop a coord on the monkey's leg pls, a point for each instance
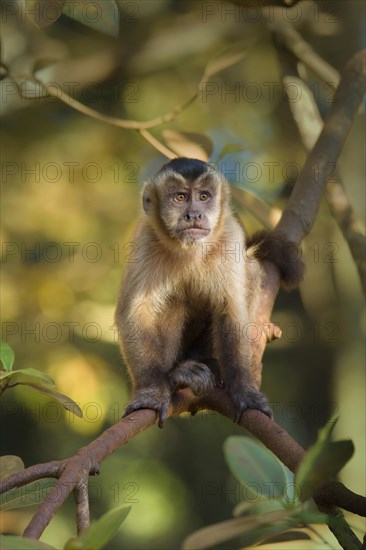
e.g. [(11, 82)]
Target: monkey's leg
[(150, 355), (234, 355)]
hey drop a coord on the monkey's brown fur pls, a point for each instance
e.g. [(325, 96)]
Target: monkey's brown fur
[(186, 303)]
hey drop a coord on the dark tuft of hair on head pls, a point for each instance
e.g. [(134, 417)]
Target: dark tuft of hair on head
[(188, 168)]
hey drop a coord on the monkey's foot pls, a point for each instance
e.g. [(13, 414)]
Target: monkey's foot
[(194, 375), (150, 398), (249, 398)]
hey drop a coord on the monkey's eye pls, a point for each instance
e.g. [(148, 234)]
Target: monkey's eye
[(204, 196), (180, 197)]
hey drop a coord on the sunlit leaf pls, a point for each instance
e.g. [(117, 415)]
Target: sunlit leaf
[(14, 542), (10, 464), (255, 467), (23, 376), (322, 462), (258, 508), (293, 544), (101, 531), (232, 528), (188, 144), (266, 214), (66, 401), (32, 494), (42, 13), (256, 536), (100, 15), (6, 356)]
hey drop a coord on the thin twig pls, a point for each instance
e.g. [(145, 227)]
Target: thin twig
[(38, 471), (157, 144), (295, 43)]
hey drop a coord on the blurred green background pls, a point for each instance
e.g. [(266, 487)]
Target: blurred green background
[(70, 197)]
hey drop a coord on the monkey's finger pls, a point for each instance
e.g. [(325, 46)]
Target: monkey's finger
[(162, 412)]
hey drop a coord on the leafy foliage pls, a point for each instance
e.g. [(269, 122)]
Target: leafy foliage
[(322, 461), (276, 501), (32, 378), (101, 531), (29, 495), (100, 15), (95, 537)]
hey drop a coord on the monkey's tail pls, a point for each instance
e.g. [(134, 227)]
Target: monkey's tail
[(285, 254)]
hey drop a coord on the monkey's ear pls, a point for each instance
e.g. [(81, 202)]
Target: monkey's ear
[(147, 198)]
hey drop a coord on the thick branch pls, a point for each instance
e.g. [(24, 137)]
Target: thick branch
[(76, 469), (300, 213), (309, 123)]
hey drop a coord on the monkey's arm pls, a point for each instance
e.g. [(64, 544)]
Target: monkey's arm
[(232, 337), (149, 343), (285, 254)]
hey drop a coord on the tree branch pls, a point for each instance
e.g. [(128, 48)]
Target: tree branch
[(295, 43), (82, 504), (75, 470), (296, 222), (300, 212), (309, 122)]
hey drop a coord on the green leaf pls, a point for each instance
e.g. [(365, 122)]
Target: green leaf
[(6, 356), (230, 529), (100, 15), (101, 531), (24, 376), (322, 462), (29, 495), (325, 432), (10, 464), (259, 508), (255, 536), (66, 401), (14, 542), (308, 516), (255, 467), (42, 13)]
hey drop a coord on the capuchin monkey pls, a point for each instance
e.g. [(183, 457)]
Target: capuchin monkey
[(193, 289)]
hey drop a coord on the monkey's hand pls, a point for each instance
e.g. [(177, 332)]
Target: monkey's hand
[(194, 375), (249, 398), (152, 397)]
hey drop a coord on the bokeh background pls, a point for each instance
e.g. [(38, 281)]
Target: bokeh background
[(70, 197)]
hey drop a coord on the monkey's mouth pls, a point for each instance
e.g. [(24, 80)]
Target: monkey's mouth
[(193, 233)]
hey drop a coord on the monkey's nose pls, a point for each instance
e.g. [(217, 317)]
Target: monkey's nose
[(193, 215)]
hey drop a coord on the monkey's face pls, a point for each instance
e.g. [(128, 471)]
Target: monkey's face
[(189, 197)]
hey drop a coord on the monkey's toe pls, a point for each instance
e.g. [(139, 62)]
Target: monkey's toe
[(150, 399), (194, 375), (250, 399)]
